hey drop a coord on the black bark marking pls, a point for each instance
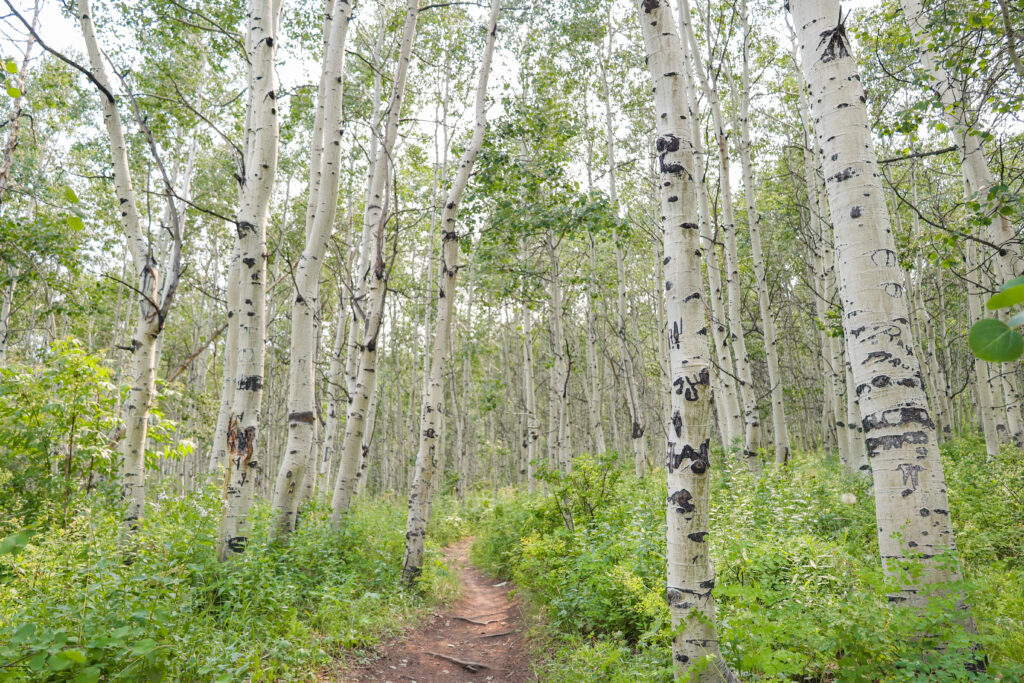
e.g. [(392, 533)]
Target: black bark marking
[(836, 43), (306, 416), (250, 383), (697, 537), (677, 423), (237, 544), (681, 499), (885, 443), (845, 174)]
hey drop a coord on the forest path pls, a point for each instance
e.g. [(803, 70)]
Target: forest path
[(478, 639)]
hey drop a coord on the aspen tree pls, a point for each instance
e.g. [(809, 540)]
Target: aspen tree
[(726, 397), (638, 441), (154, 299), (912, 508), (1007, 260), (322, 204), (431, 424), (364, 387), (690, 577), (247, 315), (771, 335), (751, 418)]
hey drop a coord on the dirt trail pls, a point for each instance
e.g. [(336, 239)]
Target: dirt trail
[(479, 639)]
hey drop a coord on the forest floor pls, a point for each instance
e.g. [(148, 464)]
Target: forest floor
[(478, 639)]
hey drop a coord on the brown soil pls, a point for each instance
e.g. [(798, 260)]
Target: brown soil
[(479, 639)]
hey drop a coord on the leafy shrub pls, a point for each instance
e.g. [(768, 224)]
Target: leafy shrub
[(800, 590), (71, 608)]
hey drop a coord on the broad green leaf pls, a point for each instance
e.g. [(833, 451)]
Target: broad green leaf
[(24, 632), (69, 194), (14, 543), (1006, 297), (994, 341), (76, 656), (90, 675), (75, 223), (11, 67), (13, 92), (144, 646)]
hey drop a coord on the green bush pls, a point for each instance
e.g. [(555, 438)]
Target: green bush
[(800, 590), (72, 607)]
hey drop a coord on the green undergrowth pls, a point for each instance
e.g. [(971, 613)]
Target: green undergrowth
[(72, 609), (800, 592)]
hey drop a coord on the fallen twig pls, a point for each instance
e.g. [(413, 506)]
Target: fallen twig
[(478, 623), (471, 667)]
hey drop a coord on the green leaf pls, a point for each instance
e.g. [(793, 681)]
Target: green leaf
[(11, 66), (69, 194), (24, 632), (144, 646), (13, 92), (76, 656), (1006, 297), (14, 543), (75, 223), (90, 675), (994, 341)]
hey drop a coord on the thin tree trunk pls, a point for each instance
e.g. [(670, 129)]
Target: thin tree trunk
[(259, 167), (690, 576), (153, 307), (751, 417), (771, 336), (433, 400), (322, 205), (376, 217)]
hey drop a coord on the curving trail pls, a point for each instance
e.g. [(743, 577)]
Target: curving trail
[(478, 639)]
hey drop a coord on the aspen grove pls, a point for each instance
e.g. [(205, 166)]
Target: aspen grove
[(692, 324)]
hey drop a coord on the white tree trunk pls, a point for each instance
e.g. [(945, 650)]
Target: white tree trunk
[(690, 576), (426, 468), (594, 393), (374, 223), (152, 309), (912, 507), (322, 205), (559, 407), (771, 336), (532, 418), (751, 417), (259, 167), (727, 399)]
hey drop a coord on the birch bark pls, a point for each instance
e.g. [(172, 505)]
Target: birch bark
[(322, 205), (364, 387), (751, 418), (690, 577), (912, 508), (426, 467), (771, 336), (259, 167), (153, 307)]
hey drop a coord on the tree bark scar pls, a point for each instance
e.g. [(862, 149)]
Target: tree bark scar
[(244, 227), (250, 383), (306, 417)]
